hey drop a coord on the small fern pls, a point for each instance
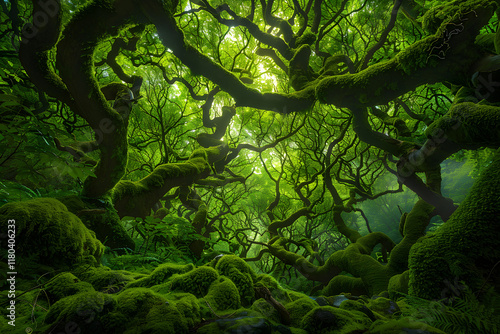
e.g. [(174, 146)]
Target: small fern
[(464, 314)]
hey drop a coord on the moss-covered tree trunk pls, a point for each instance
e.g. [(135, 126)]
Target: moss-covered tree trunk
[(466, 248)]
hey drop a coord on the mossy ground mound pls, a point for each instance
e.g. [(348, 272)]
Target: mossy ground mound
[(47, 233)]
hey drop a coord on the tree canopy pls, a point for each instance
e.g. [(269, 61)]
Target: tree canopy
[(308, 137)]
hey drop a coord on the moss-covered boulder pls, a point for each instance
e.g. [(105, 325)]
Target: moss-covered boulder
[(223, 294), (64, 285), (359, 306), (384, 306), (104, 279), (265, 309), (298, 309), (46, 232), (83, 311), (329, 319), (277, 291), (241, 274), (172, 317), (161, 274), (100, 216), (136, 302), (196, 281)]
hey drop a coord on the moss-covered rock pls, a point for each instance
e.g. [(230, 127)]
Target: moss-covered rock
[(83, 310), (328, 319), (265, 309), (298, 309), (241, 274), (196, 281), (359, 306), (172, 317), (46, 232), (223, 294), (384, 306), (277, 291), (227, 262), (136, 302), (104, 279), (161, 274), (295, 295), (64, 285)]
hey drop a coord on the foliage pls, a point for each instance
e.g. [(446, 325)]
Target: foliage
[(298, 118), (464, 313)]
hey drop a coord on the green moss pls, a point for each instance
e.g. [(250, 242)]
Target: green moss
[(359, 306), (299, 72), (307, 37), (433, 19), (161, 274), (196, 281), (265, 309), (223, 294), (136, 302), (199, 153), (241, 274), (245, 285), (47, 231), (278, 293), (172, 317), (64, 285), (402, 326), (227, 262), (340, 284), (452, 11), (299, 308), (105, 222), (104, 279), (294, 295), (398, 285), (136, 198), (83, 309), (115, 321), (25, 304), (243, 322), (328, 319), (384, 306), (412, 228), (468, 124), (417, 57), (465, 248)]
